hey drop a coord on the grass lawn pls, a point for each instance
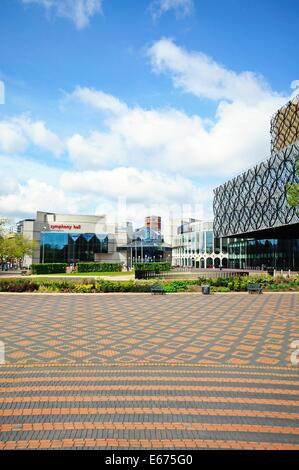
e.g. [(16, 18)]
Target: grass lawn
[(96, 274)]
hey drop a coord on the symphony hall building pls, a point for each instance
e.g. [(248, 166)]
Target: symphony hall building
[(64, 238)]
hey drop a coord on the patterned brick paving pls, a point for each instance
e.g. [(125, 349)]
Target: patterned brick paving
[(141, 371)]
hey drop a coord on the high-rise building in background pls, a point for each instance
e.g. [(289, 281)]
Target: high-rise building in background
[(153, 222)]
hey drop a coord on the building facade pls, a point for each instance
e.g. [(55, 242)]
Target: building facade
[(72, 238), (147, 245), (195, 246), (252, 210)]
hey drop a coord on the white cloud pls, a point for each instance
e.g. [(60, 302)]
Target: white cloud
[(17, 132), (199, 74), (8, 184), (96, 150), (12, 138), (137, 186), (99, 100), (40, 136), (23, 168), (172, 141), (295, 88), (36, 195), (78, 11), (140, 192), (182, 8), (120, 212)]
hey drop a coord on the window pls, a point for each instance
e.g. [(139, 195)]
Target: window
[(60, 247)]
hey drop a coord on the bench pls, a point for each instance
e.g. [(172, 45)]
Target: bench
[(24, 272), (251, 288), (157, 289)]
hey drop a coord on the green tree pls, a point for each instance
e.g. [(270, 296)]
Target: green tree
[(293, 191), (13, 248), (22, 247)]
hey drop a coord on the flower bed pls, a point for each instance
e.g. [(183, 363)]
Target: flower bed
[(238, 284)]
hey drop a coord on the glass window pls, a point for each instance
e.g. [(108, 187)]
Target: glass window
[(278, 254), (209, 242), (60, 247)]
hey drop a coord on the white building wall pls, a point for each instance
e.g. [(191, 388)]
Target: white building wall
[(190, 249)]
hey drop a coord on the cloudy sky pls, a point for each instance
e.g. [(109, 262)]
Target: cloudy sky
[(148, 102)]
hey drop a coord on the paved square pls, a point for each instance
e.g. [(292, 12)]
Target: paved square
[(227, 329), (133, 371)]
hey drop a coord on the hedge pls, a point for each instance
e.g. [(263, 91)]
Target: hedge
[(48, 268), (152, 266), (99, 267), (97, 286)]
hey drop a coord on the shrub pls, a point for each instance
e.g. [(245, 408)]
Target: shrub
[(176, 286), (123, 286), (55, 286), (84, 288), (220, 289), (152, 266), (18, 285), (291, 286), (48, 268), (99, 267)]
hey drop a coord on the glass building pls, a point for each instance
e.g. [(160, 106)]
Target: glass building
[(71, 238), (260, 254), (59, 247), (147, 245), (196, 247)]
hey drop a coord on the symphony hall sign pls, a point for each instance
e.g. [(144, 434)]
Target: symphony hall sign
[(63, 227)]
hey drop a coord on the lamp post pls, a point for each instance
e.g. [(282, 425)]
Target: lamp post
[(74, 248), (43, 258)]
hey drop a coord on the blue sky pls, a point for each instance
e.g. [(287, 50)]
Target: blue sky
[(155, 102)]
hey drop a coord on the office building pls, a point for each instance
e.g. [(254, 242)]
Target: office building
[(195, 246)]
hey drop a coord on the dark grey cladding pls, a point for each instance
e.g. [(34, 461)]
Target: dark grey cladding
[(256, 200)]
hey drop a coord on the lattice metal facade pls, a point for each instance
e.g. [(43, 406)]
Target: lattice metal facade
[(285, 126), (257, 199)]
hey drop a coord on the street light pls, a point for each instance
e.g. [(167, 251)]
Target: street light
[(43, 258)]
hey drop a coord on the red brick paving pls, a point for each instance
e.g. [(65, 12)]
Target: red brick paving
[(147, 372)]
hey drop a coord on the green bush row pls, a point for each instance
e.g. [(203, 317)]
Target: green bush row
[(152, 266), (100, 267), (18, 285), (240, 283), (48, 268), (72, 286), (91, 285)]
